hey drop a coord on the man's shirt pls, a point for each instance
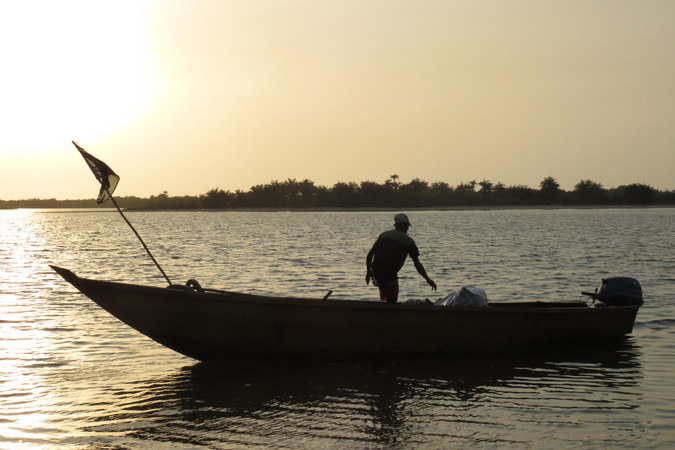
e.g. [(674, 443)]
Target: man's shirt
[(390, 251)]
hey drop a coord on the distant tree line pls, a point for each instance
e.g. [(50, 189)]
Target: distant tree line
[(391, 193)]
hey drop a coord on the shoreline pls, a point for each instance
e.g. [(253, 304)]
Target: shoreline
[(347, 209), (416, 208)]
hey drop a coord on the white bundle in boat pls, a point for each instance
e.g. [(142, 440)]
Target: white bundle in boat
[(465, 296)]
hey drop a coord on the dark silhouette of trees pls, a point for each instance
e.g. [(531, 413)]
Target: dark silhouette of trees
[(519, 195), (392, 182), (391, 193), (441, 193), (373, 194), (309, 194), (415, 193), (549, 190), (486, 192), (588, 192), (344, 194), (549, 184), (635, 194), (216, 198), (486, 187)]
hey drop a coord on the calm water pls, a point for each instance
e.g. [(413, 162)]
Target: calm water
[(71, 376)]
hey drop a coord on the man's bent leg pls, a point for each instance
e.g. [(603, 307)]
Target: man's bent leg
[(388, 291)]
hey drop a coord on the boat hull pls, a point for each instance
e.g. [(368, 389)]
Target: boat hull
[(211, 326)]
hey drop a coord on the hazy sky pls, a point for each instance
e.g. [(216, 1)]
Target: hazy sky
[(188, 95)]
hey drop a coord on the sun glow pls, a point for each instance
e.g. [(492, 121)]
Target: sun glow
[(71, 68)]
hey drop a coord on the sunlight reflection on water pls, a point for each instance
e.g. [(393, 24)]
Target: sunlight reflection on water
[(70, 375)]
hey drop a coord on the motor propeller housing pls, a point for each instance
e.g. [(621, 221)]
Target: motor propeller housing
[(618, 291)]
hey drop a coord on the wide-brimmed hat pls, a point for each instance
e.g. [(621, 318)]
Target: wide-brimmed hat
[(401, 218)]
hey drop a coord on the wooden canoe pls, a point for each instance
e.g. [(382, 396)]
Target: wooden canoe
[(217, 326)]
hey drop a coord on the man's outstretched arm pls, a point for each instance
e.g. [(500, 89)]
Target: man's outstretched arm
[(420, 269)]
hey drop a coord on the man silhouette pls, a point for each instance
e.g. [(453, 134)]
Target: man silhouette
[(387, 256)]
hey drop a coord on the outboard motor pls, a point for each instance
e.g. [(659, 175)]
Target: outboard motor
[(618, 291)]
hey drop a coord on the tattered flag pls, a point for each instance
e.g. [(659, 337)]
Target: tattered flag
[(103, 174)]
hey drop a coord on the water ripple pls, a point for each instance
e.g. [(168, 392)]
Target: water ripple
[(73, 376)]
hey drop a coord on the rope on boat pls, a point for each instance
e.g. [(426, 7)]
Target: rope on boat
[(194, 284)]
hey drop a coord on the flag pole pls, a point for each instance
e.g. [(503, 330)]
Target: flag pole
[(139, 238), (108, 180)]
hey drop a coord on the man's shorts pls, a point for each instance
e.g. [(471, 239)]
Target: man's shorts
[(388, 290)]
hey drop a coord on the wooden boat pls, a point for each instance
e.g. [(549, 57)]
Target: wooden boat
[(220, 325)]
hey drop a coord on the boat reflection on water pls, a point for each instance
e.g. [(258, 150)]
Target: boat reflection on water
[(434, 401)]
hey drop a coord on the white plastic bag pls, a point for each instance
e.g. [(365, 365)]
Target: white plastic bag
[(465, 296)]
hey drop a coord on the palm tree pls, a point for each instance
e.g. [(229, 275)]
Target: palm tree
[(549, 189), (588, 191), (549, 185), (393, 183), (486, 186)]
